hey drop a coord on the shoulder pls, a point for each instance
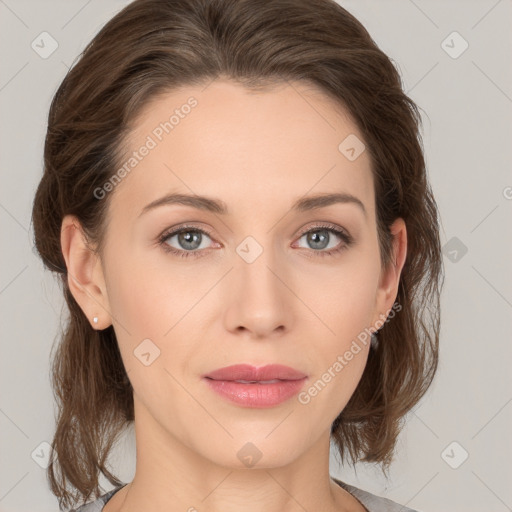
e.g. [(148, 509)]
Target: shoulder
[(371, 501), (97, 505)]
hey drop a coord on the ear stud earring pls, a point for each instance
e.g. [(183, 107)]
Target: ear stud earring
[(95, 319)]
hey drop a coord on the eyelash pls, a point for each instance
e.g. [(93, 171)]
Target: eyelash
[(347, 239)]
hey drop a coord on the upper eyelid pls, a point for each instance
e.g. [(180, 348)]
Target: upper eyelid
[(320, 225)]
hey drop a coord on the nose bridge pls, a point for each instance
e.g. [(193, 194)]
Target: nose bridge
[(256, 266), (259, 299)]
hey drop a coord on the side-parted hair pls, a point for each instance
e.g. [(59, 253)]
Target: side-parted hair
[(154, 46)]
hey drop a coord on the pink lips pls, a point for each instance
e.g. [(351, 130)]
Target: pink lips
[(248, 372), (255, 392)]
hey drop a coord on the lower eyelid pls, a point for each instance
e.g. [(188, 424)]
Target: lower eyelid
[(346, 240)]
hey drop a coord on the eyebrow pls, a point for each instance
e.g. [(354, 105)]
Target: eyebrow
[(219, 207)]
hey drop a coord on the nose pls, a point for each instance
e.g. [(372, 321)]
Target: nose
[(259, 299)]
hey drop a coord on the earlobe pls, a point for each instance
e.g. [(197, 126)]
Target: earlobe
[(84, 273), (390, 277)]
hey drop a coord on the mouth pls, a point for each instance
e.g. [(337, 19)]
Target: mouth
[(248, 374), (257, 395), (248, 386), (255, 381)]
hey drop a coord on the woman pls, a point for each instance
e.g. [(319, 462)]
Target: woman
[(235, 198)]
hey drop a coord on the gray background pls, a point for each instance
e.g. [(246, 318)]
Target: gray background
[(466, 104)]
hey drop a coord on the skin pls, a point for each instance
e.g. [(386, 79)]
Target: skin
[(258, 152)]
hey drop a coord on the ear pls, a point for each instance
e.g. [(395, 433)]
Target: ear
[(390, 276), (85, 274)]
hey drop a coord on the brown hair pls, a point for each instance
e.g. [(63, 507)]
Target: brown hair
[(153, 46)]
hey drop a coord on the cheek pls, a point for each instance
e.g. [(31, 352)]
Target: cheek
[(341, 352), (152, 299), (345, 296), (137, 302), (346, 307), (143, 292)]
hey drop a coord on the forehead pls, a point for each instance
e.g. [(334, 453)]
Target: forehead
[(255, 149)]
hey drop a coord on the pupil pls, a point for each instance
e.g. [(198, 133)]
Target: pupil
[(323, 238), (187, 238)]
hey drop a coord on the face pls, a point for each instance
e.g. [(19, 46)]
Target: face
[(263, 282)]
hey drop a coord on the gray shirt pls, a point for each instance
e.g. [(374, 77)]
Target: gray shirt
[(370, 501)]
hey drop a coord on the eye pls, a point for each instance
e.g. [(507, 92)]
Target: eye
[(319, 238), (190, 240)]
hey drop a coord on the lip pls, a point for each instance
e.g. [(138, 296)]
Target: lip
[(249, 372), (256, 395)]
